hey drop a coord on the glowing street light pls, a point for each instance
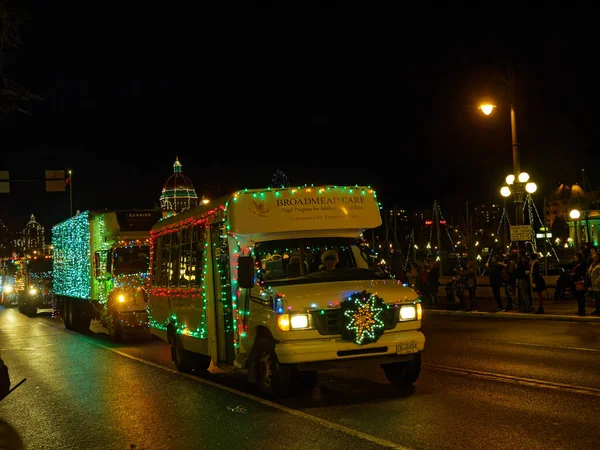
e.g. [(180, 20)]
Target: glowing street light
[(531, 187), (575, 214), (487, 108)]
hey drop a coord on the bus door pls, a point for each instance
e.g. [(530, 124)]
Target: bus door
[(222, 292)]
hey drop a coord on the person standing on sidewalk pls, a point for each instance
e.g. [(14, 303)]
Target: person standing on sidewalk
[(509, 276), (495, 269), (523, 282), (538, 284), (577, 275), (470, 279), (594, 276)]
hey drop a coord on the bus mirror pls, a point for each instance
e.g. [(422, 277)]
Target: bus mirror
[(246, 272)]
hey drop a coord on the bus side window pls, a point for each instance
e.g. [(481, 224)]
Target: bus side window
[(197, 256), (155, 262), (165, 250)]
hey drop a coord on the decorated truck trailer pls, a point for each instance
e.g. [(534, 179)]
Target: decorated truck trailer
[(100, 270)]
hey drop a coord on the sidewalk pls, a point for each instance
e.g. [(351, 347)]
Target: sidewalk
[(564, 311)]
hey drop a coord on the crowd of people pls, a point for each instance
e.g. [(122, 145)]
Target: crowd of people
[(521, 275)]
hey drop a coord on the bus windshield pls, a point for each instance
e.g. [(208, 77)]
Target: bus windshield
[(315, 260), (130, 260)]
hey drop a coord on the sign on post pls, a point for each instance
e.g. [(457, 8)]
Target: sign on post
[(55, 181), (4, 183), (521, 233)]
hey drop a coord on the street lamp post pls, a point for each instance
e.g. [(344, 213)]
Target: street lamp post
[(575, 214), (518, 190), (518, 187)]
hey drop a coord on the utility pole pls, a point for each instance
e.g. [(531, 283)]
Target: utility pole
[(545, 240), (585, 209), (505, 226), (70, 193), (414, 245), (436, 210), (468, 231), (518, 193)]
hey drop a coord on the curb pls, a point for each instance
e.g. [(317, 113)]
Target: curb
[(511, 315)]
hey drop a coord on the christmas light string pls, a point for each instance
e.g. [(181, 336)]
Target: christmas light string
[(546, 234), (456, 255), (408, 252), (528, 202), (497, 234), (431, 231)]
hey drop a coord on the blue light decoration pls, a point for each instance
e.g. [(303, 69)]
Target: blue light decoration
[(363, 318), (72, 264)]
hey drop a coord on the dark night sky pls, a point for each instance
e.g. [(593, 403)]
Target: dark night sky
[(338, 106)]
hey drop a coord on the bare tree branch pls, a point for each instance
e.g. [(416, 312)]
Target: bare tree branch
[(12, 95)]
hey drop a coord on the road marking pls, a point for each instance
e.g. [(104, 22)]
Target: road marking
[(325, 423), (513, 379), (583, 349)]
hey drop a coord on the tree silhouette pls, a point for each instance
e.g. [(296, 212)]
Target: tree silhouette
[(560, 228), (12, 95), (279, 180)]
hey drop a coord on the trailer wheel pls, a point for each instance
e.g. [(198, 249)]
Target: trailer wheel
[(30, 309), (115, 329), (67, 313)]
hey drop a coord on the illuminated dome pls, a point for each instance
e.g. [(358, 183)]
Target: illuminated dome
[(562, 192), (178, 193), (577, 192)]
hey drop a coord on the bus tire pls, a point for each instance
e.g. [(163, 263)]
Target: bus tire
[(187, 361), (405, 373), (272, 377)]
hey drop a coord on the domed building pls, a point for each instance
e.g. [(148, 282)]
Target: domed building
[(32, 239), (178, 193), (567, 198)]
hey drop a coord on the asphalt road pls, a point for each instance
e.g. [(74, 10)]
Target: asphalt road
[(485, 383)]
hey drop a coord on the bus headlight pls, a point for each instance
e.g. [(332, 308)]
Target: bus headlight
[(287, 322), (408, 312), (300, 322), (8, 289), (33, 291)]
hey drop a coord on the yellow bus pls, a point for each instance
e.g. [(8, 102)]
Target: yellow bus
[(278, 283)]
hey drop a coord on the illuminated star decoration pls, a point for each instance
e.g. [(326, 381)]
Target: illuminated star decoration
[(363, 312)]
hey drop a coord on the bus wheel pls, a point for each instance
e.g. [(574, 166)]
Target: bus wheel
[(273, 378), (186, 361), (403, 374)]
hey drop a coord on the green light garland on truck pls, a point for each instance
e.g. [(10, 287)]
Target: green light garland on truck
[(72, 259)]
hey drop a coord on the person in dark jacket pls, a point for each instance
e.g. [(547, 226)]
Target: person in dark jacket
[(509, 276), (538, 284), (494, 270), (577, 274), (397, 266), (469, 275), (523, 281)]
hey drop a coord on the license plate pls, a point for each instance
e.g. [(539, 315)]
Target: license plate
[(406, 348)]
